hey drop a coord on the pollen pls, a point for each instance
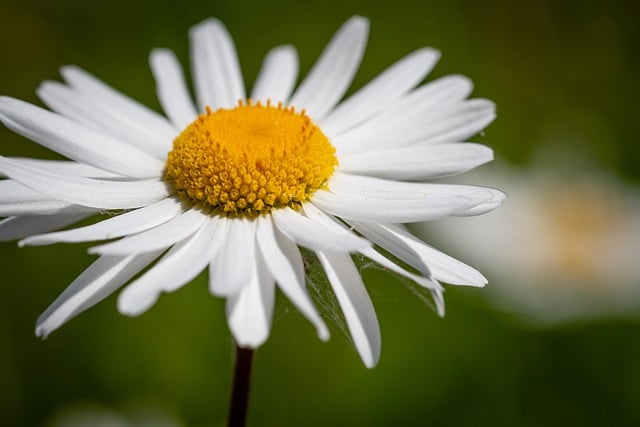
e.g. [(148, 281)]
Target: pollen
[(250, 159)]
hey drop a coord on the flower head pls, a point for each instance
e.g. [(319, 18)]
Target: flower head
[(238, 183), (582, 234)]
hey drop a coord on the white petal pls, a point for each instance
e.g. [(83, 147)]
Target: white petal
[(76, 141), (425, 281), (355, 303), (249, 312), (64, 167), (164, 235), (87, 191), (277, 75), (429, 98), (17, 227), (176, 268), (216, 70), (378, 200), (317, 215), (97, 89), (124, 224), (418, 254), (453, 123), (483, 208), (342, 183), (459, 125), (381, 236), (315, 236), (421, 102), (389, 86), (285, 264), (387, 210), (14, 192), (46, 207), (233, 268), (105, 118), (96, 283), (333, 72), (417, 162), (172, 89), (16, 199)]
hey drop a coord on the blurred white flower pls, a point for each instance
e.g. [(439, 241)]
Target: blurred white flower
[(565, 246)]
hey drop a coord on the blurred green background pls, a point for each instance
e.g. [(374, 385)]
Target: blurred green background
[(560, 72)]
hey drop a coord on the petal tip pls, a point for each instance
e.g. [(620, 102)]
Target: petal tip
[(323, 332)]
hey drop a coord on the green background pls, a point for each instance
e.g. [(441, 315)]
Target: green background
[(556, 69)]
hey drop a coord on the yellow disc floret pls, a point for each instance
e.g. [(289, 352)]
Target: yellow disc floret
[(250, 159)]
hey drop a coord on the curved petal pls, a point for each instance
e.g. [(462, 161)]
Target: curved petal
[(96, 283), (17, 227), (315, 236), (63, 167), (388, 210), (124, 224), (12, 191), (355, 303), (76, 141), (347, 184), (87, 191), (421, 102), (454, 123), (419, 255), (161, 237), (333, 72), (285, 264), (103, 117), (45, 207), (233, 268), (97, 89), (428, 99), (373, 199), (390, 85), (16, 199), (425, 281), (249, 312), (176, 268), (277, 76), (171, 88), (419, 162), (216, 70)]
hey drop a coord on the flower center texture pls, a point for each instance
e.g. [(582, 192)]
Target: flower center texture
[(250, 159)]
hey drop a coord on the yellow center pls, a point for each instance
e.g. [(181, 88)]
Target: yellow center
[(250, 159)]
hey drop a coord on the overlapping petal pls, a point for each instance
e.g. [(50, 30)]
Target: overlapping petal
[(334, 70), (277, 76), (171, 88), (97, 282), (93, 193), (389, 86), (216, 69)]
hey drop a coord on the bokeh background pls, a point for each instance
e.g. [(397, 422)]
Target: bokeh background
[(564, 77)]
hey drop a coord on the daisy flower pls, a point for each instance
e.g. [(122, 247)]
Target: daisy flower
[(237, 183), (582, 234)]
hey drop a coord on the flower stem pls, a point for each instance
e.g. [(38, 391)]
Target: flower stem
[(240, 392)]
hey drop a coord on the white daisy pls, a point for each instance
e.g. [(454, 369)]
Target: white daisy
[(578, 240), (237, 183)]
